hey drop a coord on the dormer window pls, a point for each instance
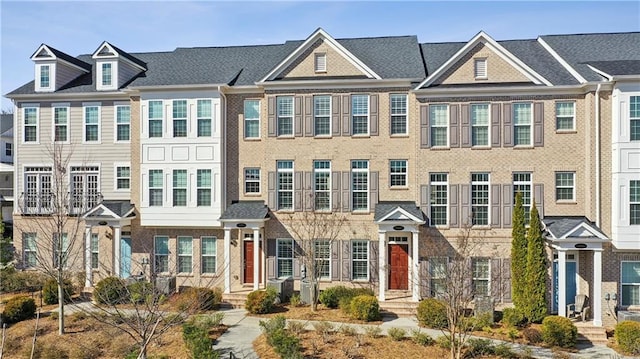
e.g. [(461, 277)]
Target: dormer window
[(480, 69), (106, 76), (45, 76), (321, 62)]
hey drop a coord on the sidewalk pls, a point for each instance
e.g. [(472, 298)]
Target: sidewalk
[(244, 329)]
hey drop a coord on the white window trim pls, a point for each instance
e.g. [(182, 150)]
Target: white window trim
[(203, 255), (196, 124), (446, 206), (368, 115), (488, 205), (52, 78), (328, 191), (292, 117), (513, 114), (197, 188), (488, 125), (115, 121), (251, 119), (487, 278), (115, 176), (95, 251), (476, 71), (114, 76), (631, 203), (405, 174), (406, 114), (330, 244), (621, 284), (155, 253), (187, 188), (315, 117), (259, 181), (146, 128), (317, 64), (293, 184), (278, 256), (573, 119), (186, 119), (53, 121), (556, 187), (84, 122), (178, 255), (37, 125), (25, 250), (367, 261), (368, 191), (163, 187), (447, 126)]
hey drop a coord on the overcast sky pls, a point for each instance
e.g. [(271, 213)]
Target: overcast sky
[(79, 27)]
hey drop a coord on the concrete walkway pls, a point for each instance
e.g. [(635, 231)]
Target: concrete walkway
[(245, 329)]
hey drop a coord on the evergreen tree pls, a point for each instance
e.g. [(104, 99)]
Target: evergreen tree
[(518, 254), (536, 275), (6, 245)]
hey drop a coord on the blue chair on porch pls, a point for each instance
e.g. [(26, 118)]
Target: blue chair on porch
[(579, 307)]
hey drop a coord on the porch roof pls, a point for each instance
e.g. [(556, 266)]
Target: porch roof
[(111, 209), (571, 229), (398, 210), (246, 210)]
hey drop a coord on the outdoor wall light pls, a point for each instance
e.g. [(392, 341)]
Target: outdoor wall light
[(607, 296)]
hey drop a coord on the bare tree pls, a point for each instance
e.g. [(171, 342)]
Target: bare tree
[(50, 227), (316, 231)]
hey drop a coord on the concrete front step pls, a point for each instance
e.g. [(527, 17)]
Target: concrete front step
[(234, 300), (591, 334), (403, 308)]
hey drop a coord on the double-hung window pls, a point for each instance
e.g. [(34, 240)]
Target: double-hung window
[(398, 173), (209, 251), (360, 260), (60, 250), (480, 124), (8, 149), (480, 199), (91, 123), (398, 114), (360, 185), (481, 276), (438, 272), (161, 254), (359, 114), (322, 185), (252, 118), (95, 248), (179, 118), (123, 177), (284, 106), (634, 202), (439, 200), (630, 283), (204, 118), (634, 118), (565, 186), (123, 123), (156, 187), (522, 121), (284, 255), (565, 116), (60, 123), (522, 184), (179, 188), (30, 115), (322, 115), (185, 254), (251, 180), (285, 185), (45, 76), (322, 251), (29, 249), (439, 125), (204, 187), (156, 117), (107, 76)]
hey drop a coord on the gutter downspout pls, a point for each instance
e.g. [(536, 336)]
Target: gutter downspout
[(223, 124), (597, 154)]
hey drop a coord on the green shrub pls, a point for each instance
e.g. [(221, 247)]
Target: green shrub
[(18, 309), (50, 291), (197, 340), (432, 313), (283, 342), (479, 347), (295, 300), (503, 350), (12, 280), (444, 342), (279, 322), (323, 327), (373, 331), (396, 334), (627, 336), (140, 292), (260, 301), (331, 297), (296, 327), (365, 307), (513, 317), (200, 298), (111, 290), (559, 331), (421, 338), (532, 335)]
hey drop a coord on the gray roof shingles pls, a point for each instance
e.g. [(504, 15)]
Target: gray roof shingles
[(560, 226), (384, 208), (581, 49), (617, 68), (244, 210)]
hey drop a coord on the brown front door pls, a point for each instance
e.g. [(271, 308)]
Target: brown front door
[(399, 266), (248, 261)]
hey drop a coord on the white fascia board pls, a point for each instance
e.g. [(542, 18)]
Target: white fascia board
[(40, 48), (590, 229), (175, 87), (601, 73), (501, 91), (507, 56), (316, 84), (412, 218), (562, 61), (65, 97), (96, 54), (320, 34)]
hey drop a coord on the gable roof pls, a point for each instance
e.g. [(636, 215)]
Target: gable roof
[(611, 69), (6, 122), (62, 56), (483, 38), (132, 59), (572, 228), (111, 210), (581, 49), (246, 210), (398, 210)]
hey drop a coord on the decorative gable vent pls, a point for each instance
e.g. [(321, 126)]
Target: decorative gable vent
[(480, 68), (321, 62), (54, 68), (114, 67)]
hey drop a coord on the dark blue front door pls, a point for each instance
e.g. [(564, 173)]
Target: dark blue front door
[(570, 288)]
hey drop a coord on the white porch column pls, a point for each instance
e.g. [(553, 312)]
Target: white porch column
[(562, 283), (597, 288), (382, 265), (227, 260), (415, 266), (116, 246), (87, 257), (256, 259)]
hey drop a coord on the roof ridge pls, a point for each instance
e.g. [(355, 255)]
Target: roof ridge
[(593, 33)]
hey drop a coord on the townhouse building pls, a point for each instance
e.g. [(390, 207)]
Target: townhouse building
[(196, 164)]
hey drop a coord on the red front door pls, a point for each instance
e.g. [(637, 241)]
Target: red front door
[(399, 266), (248, 261)]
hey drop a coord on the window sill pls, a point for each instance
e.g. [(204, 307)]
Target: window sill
[(399, 188), (400, 135), (285, 211), (442, 226), (185, 274), (440, 148), (209, 275), (253, 194), (361, 212), (252, 139), (566, 202), (323, 137), (364, 135), (564, 132), (523, 147), (285, 137), (481, 148)]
